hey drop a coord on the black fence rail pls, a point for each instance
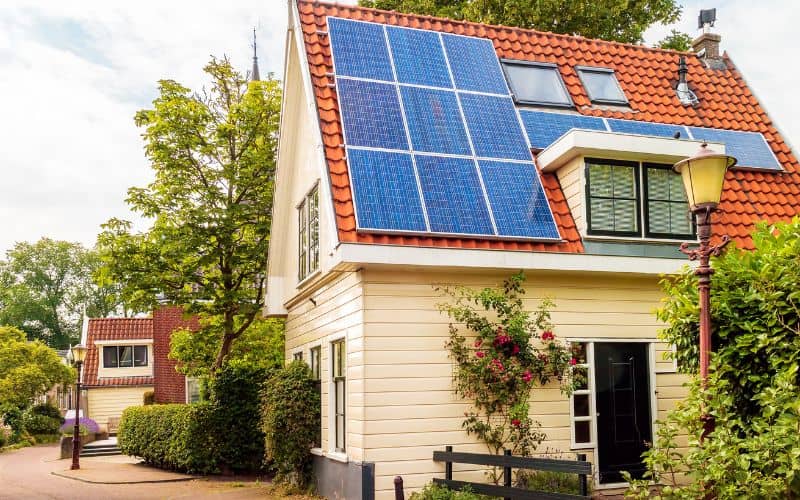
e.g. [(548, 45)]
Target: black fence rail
[(508, 462)]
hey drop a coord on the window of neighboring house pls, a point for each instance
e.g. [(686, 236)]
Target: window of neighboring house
[(298, 356), (192, 390), (338, 370), (315, 360), (536, 83), (581, 398), (636, 200), (601, 84), (124, 356), (308, 234)]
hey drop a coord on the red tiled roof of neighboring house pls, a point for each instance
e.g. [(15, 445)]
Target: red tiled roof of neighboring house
[(113, 329), (647, 76)]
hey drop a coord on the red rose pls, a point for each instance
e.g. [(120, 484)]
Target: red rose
[(480, 354), (573, 361), (527, 376), (515, 350), (548, 335), (478, 343), (515, 422)]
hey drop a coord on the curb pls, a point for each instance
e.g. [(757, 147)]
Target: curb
[(152, 481)]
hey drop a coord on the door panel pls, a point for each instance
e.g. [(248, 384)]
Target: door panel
[(623, 408)]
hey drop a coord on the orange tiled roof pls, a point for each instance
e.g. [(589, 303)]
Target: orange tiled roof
[(113, 329), (646, 75)]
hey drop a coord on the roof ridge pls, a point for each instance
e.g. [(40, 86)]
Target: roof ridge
[(495, 26)]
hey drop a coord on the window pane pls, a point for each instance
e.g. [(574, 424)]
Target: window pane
[(580, 376), (625, 216), (110, 357), (313, 217), (338, 359), (536, 84), (581, 405), (126, 356), (624, 179), (680, 221), (658, 214), (658, 184), (601, 86), (600, 180), (140, 355), (298, 356), (192, 390), (602, 212), (583, 432), (302, 241), (315, 363), (579, 351)]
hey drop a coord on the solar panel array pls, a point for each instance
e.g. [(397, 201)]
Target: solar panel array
[(434, 142), (750, 148)]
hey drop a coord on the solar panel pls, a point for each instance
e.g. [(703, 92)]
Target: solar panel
[(453, 195), (385, 190), (749, 148), (418, 57), (359, 49), (434, 121), (518, 200), (494, 128), (474, 64), (646, 128), (371, 114), (544, 128)]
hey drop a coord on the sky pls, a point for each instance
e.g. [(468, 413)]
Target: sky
[(73, 73)]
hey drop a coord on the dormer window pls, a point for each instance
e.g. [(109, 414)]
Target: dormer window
[(601, 84), (124, 356), (536, 83)]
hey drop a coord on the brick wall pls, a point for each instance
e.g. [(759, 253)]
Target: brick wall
[(170, 386)]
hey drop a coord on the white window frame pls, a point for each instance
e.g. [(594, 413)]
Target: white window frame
[(589, 391), (308, 235), (102, 348), (608, 71), (568, 103), (340, 454), (187, 380), (311, 349)]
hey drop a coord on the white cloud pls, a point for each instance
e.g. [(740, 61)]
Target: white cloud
[(72, 74)]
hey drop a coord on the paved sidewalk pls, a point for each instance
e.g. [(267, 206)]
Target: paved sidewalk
[(118, 469)]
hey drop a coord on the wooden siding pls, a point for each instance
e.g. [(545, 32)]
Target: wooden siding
[(110, 402), (573, 184), (409, 409)]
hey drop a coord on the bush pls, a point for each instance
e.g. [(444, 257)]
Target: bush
[(552, 482), (48, 410), (86, 425), (291, 412), (149, 398), (41, 424), (435, 492), (3, 438), (175, 436)]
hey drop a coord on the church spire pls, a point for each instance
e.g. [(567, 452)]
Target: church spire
[(254, 74)]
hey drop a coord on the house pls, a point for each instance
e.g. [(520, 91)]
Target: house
[(416, 151), (128, 357)]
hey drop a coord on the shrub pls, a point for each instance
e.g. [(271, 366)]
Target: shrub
[(86, 425), (3, 438), (149, 398), (41, 424), (48, 410), (290, 418), (435, 492)]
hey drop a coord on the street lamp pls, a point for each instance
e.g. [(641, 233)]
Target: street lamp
[(78, 355), (703, 176)]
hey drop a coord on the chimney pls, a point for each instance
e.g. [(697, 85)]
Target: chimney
[(706, 45)]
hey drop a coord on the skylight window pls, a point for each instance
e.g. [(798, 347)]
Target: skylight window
[(602, 86), (536, 83)]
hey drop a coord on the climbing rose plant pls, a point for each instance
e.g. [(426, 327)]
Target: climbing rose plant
[(505, 352)]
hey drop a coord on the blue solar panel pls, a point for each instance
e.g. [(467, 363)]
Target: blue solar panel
[(385, 190), (518, 200), (749, 148), (371, 114), (418, 57), (359, 49), (453, 195), (494, 128), (646, 128), (544, 128), (474, 64), (434, 121)]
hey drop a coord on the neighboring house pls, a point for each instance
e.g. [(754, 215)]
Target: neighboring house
[(126, 358), (562, 170)]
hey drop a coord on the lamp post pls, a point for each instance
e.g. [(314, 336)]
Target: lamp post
[(703, 176), (78, 355)]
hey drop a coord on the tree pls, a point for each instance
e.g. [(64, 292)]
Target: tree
[(260, 346), (213, 154), (676, 40), (45, 287), (27, 370), (619, 20)]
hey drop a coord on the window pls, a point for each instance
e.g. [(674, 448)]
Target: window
[(192, 390), (308, 234), (536, 83), (581, 399), (315, 358), (298, 356), (613, 197), (338, 370), (601, 84), (623, 196), (124, 356)]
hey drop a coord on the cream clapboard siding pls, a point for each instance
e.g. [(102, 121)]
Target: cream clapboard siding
[(409, 407), (110, 402), (338, 313), (571, 178)]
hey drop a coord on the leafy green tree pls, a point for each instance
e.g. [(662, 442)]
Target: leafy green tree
[(45, 286), (676, 40), (260, 346), (27, 370), (213, 155), (620, 20)]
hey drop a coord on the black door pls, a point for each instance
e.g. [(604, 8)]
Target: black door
[(623, 408)]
